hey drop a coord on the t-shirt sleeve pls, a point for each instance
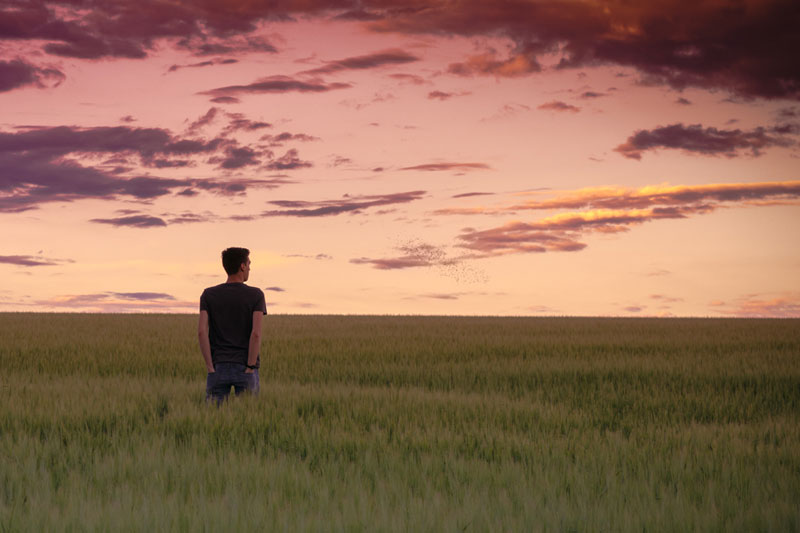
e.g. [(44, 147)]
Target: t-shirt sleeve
[(261, 304), (203, 302)]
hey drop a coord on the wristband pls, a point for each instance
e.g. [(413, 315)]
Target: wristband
[(252, 367)]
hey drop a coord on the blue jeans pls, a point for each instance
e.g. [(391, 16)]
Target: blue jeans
[(227, 375)]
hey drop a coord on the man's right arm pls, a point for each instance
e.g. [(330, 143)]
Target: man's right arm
[(202, 337), (255, 341)]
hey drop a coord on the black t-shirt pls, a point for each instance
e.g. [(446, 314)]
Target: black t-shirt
[(230, 308)]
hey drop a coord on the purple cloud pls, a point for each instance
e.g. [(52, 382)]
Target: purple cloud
[(347, 204), (437, 167), (367, 61), (705, 141), (30, 260), (133, 221), (18, 73), (276, 84)]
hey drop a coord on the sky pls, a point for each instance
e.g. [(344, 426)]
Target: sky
[(513, 157)]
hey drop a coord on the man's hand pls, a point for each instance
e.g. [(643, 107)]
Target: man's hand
[(249, 371)]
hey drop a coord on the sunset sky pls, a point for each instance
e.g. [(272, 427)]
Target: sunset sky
[(420, 157)]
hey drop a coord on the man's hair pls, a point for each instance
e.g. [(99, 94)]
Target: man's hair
[(232, 259)]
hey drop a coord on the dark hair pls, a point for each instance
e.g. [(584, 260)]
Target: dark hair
[(232, 259)]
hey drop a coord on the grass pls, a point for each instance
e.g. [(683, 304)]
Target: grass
[(403, 423)]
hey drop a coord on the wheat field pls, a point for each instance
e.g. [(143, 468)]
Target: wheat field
[(368, 423)]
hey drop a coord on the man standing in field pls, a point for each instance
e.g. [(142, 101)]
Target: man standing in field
[(230, 329)]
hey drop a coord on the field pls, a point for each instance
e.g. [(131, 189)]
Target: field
[(403, 423)]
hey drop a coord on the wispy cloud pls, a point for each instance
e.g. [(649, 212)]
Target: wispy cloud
[(438, 167), (557, 105), (695, 139), (133, 221), (346, 204), (416, 253), (488, 64), (208, 63), (611, 210), (368, 61), (119, 302), (276, 84), (441, 95), (32, 260), (761, 306)]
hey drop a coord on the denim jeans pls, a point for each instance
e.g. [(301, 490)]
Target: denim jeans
[(227, 375)]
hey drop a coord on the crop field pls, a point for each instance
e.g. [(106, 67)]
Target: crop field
[(403, 424)]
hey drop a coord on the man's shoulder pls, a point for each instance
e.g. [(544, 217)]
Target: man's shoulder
[(255, 291), (214, 288)]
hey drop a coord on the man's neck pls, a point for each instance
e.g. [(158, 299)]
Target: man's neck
[(236, 278)]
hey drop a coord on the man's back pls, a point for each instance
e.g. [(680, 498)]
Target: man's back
[(230, 308)]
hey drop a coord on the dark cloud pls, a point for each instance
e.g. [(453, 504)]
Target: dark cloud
[(127, 30), (736, 47), (435, 167), (228, 45), (705, 141), (284, 137), (789, 112), (683, 101), (288, 161), (557, 105), (238, 158), (368, 61), (275, 289), (203, 121), (739, 47), (588, 95), (346, 204), (276, 84), (225, 100), (31, 261), (134, 221), (207, 63), (39, 164), (18, 73), (238, 122)]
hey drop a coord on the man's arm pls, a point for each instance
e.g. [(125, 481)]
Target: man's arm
[(255, 340), (202, 337)]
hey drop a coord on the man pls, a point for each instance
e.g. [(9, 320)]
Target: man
[(230, 329)]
